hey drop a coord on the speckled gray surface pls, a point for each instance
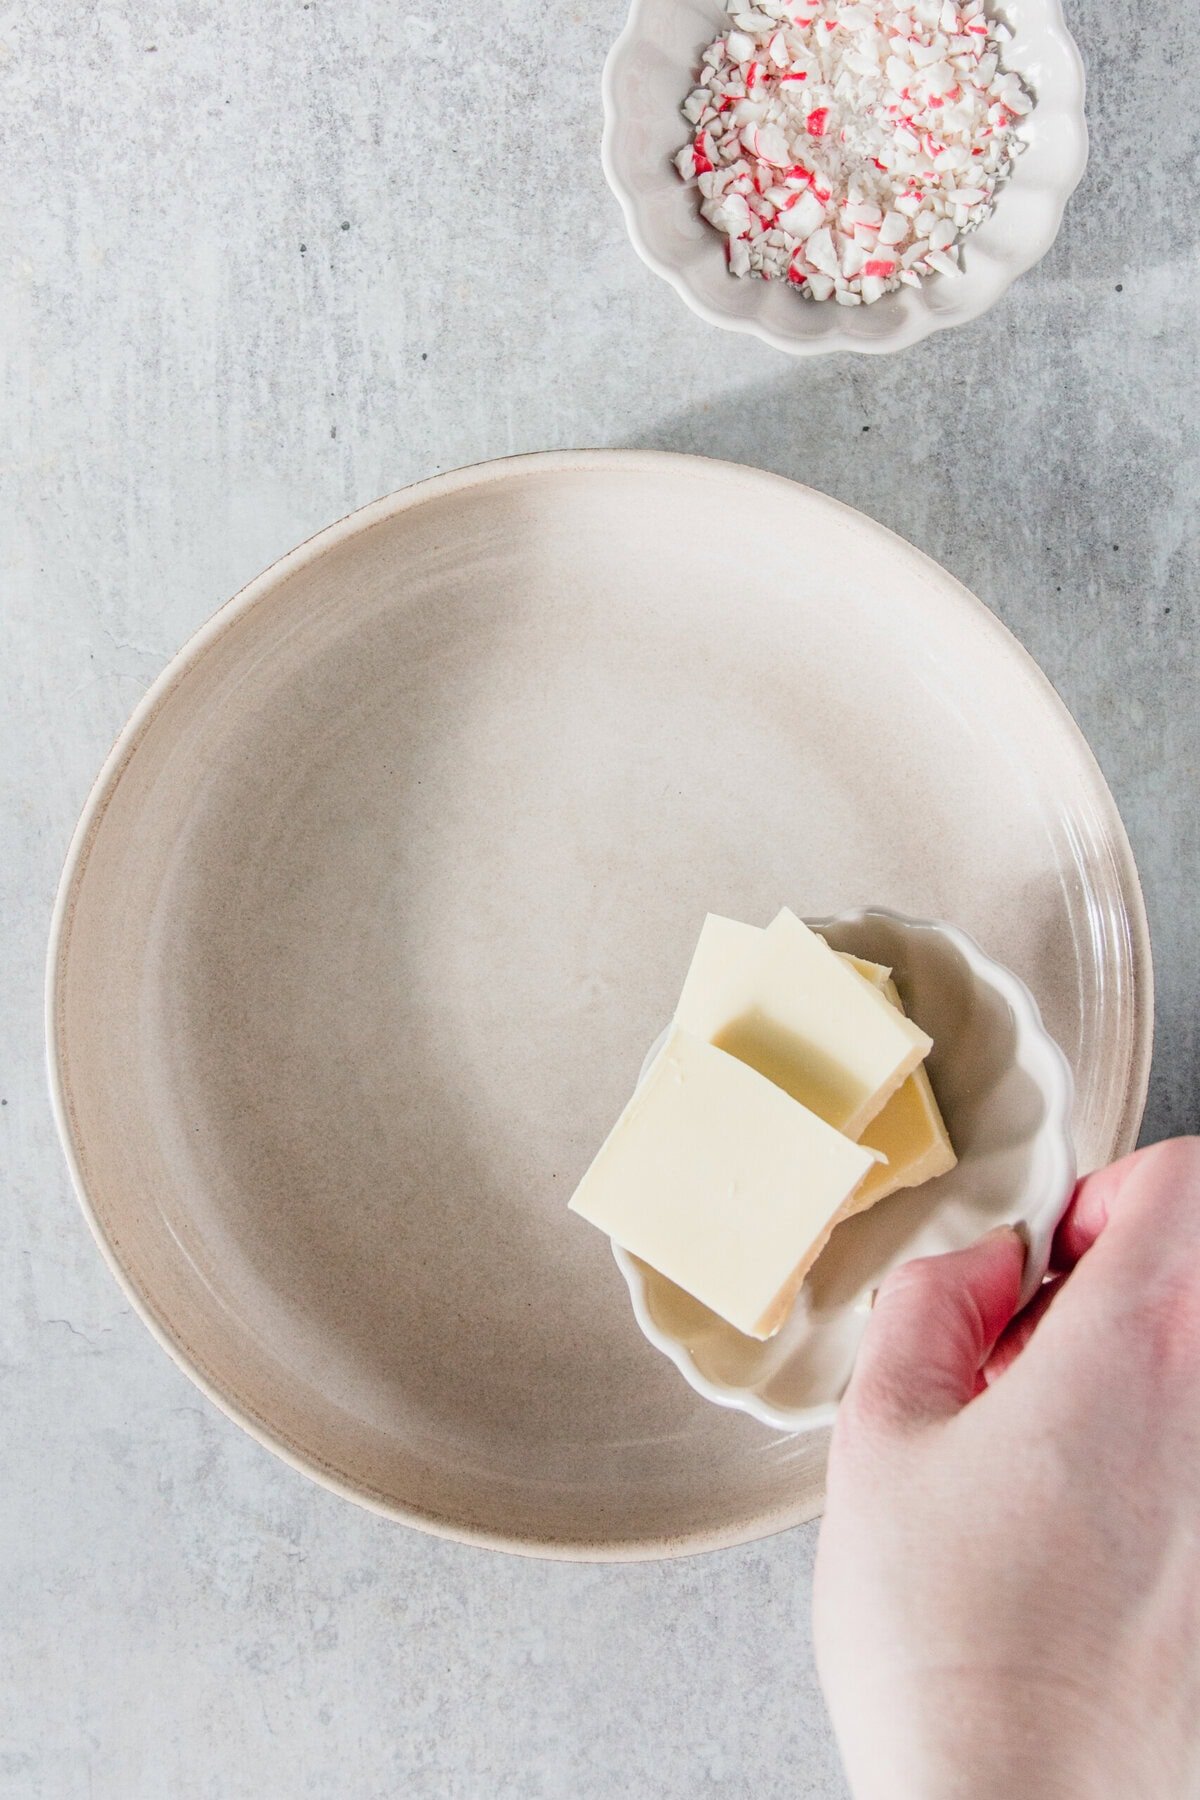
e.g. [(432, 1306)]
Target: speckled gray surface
[(260, 263)]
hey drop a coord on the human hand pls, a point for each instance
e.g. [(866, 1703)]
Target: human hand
[(1008, 1579)]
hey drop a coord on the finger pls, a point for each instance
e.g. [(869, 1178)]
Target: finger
[(1014, 1337), (1088, 1212), (1159, 1186), (934, 1324)]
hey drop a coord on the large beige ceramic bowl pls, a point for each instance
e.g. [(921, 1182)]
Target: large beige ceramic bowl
[(389, 883)]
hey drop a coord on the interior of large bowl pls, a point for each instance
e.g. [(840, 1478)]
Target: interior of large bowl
[(394, 876), (650, 72), (1005, 1092)]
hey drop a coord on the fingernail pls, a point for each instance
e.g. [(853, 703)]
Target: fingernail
[(1019, 1230)]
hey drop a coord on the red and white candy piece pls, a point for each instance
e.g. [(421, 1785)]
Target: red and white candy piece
[(847, 147)]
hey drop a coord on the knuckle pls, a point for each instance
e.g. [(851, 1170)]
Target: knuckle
[(919, 1278), (871, 1411), (931, 1302)]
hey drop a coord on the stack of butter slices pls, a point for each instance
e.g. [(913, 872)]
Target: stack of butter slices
[(789, 1094)]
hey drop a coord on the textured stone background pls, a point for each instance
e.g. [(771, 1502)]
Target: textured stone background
[(263, 260)]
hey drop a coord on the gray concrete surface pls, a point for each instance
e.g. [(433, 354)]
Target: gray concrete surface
[(261, 261)]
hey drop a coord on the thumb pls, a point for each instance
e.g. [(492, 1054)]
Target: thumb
[(934, 1325)]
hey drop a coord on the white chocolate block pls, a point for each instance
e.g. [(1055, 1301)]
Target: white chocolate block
[(800, 1014), (718, 1179), (910, 1132)]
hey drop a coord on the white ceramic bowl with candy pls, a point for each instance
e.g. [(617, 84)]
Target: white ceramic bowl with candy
[(651, 70), (1005, 1091)]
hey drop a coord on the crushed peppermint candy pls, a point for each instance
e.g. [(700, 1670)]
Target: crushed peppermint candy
[(847, 147)]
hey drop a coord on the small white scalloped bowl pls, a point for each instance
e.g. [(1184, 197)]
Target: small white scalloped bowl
[(1005, 1091), (649, 73)]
